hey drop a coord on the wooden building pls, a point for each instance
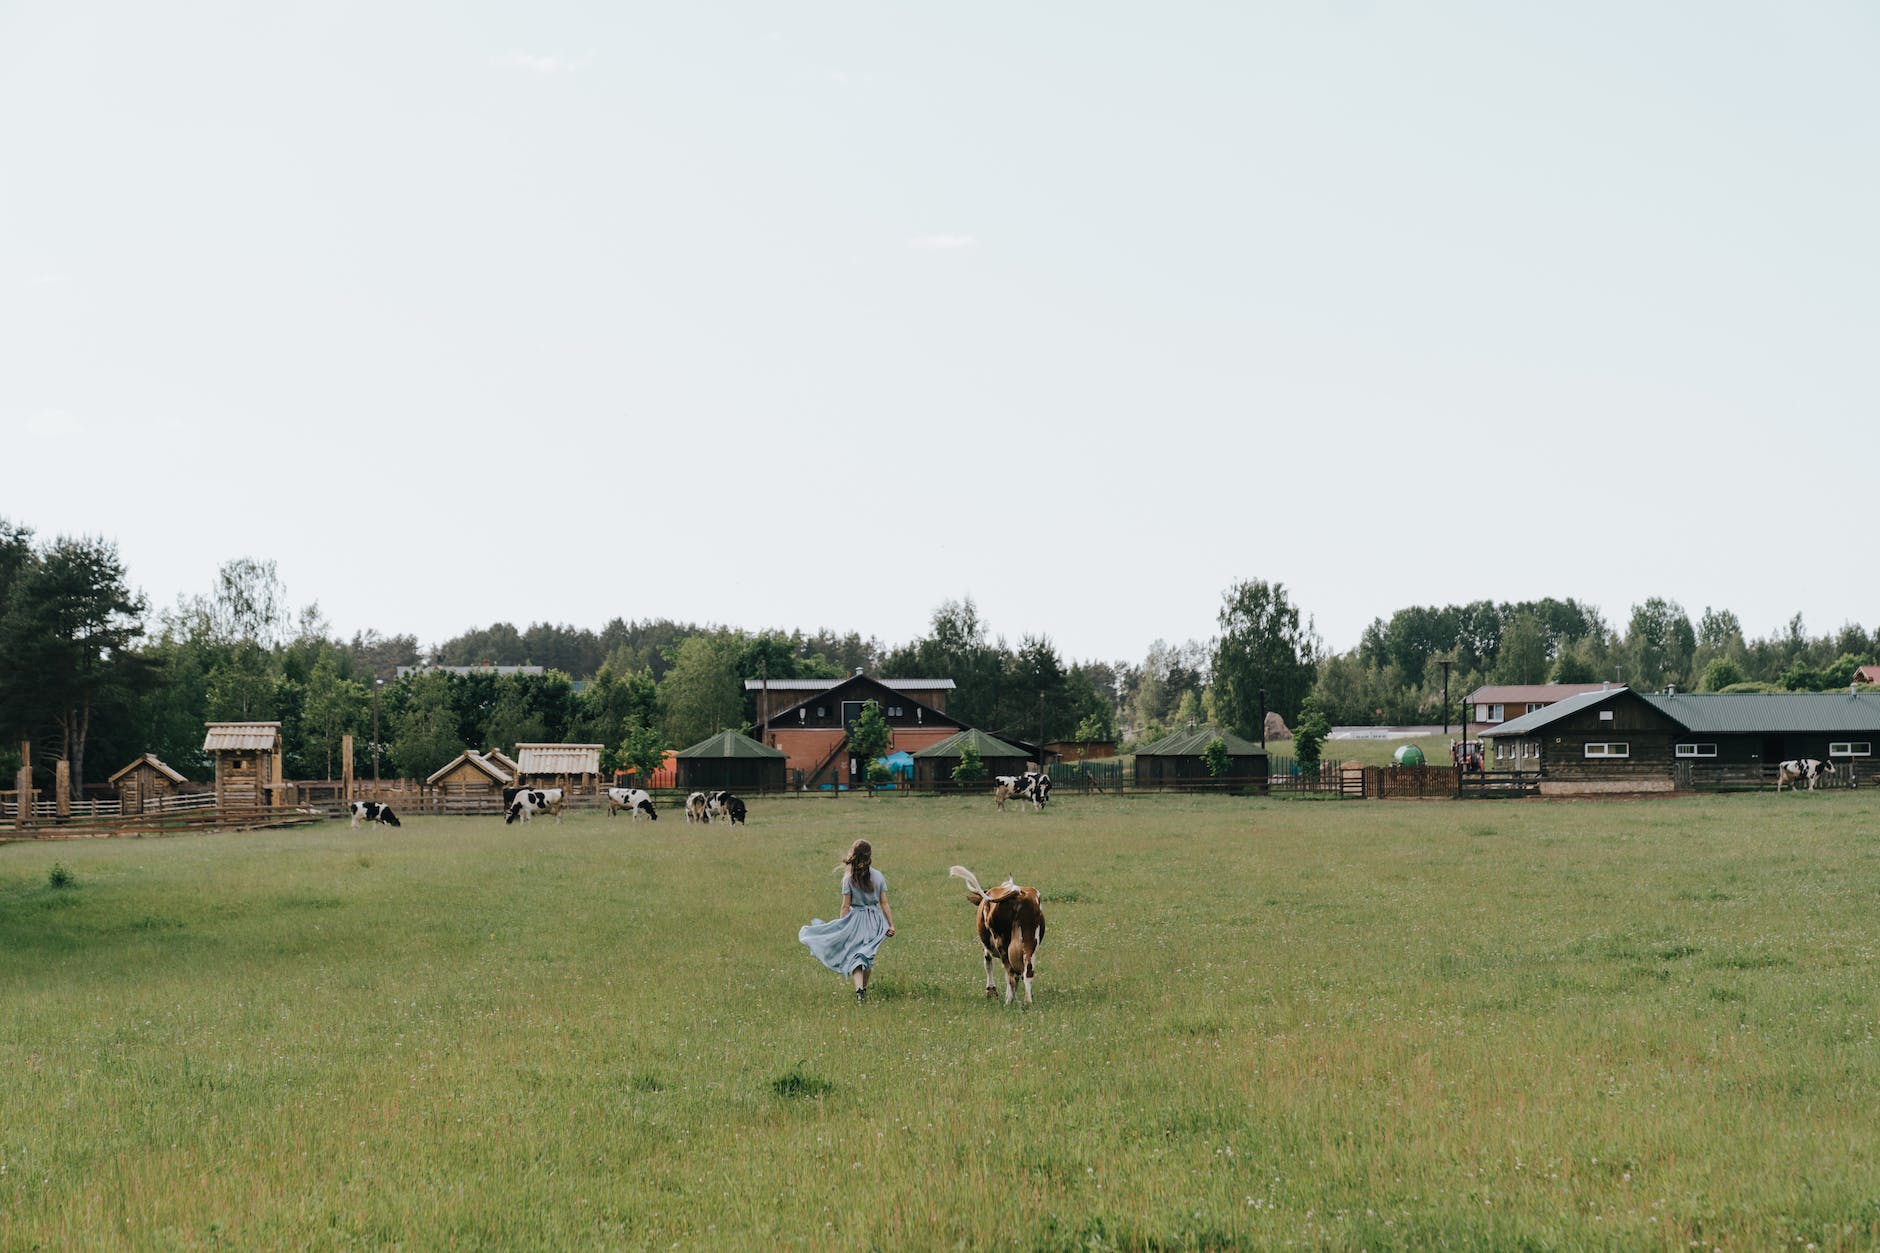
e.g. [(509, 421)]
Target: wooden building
[(933, 765), (1496, 703), (471, 784), (731, 761), (145, 783), (1177, 760), (812, 732), (1619, 740), (247, 763), (571, 767)]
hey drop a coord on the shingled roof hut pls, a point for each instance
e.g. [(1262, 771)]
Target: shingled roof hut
[(471, 783), (733, 762), (247, 762), (1177, 761), (933, 765), (572, 767), (145, 782)]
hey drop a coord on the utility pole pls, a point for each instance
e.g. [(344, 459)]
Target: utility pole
[(1445, 663), (376, 685), (1262, 717)]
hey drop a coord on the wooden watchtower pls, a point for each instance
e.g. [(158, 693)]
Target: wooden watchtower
[(247, 762)]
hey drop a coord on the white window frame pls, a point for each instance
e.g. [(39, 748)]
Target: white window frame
[(1535, 706), (1489, 713), (1609, 750), (1697, 750), (1851, 748)]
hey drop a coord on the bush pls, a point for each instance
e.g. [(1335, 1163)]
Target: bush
[(972, 768), (60, 878)]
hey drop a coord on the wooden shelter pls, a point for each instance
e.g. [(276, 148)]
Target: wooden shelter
[(247, 762), (1177, 761), (471, 783), (933, 765), (145, 782), (734, 762), (572, 767)]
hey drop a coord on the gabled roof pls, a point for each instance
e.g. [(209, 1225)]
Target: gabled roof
[(823, 685), (497, 757), (1517, 693), (1194, 743), (244, 736), (149, 759), (860, 682), (1726, 713), (1529, 724), (552, 759), (1867, 674), (731, 744), (481, 763), (983, 744)]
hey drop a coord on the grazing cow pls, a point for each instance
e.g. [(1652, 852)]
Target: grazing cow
[(724, 805), (525, 803), (372, 811), (695, 808), (1793, 772), (1031, 786), (1011, 928), (631, 799)]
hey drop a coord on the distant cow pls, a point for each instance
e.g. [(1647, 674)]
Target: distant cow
[(1031, 786), (695, 808), (372, 811), (1010, 923), (633, 800), (724, 805), (525, 803), (1793, 772)]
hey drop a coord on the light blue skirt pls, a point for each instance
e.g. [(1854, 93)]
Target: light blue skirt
[(850, 941)]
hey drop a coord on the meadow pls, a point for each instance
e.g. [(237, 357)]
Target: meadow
[(1259, 1023)]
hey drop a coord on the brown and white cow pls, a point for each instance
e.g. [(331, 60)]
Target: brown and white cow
[(1011, 928), (1794, 772), (695, 808)]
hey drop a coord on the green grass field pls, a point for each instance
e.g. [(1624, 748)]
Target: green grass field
[(1476, 1025)]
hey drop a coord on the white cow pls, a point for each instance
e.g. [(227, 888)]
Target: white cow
[(525, 803), (1793, 772)]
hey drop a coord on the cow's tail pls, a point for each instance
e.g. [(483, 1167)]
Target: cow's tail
[(972, 882)]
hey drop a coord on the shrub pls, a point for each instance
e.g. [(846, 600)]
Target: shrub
[(60, 878)]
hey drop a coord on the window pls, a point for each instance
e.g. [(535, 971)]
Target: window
[(1535, 705), (1530, 748), (1697, 750), (1605, 715), (1488, 713), (894, 711), (1854, 748), (1608, 750)]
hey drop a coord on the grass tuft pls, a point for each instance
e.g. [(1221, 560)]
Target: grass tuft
[(797, 1082)]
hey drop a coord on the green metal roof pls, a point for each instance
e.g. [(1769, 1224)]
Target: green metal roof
[(1194, 743), (730, 744), (985, 745), (1727, 713)]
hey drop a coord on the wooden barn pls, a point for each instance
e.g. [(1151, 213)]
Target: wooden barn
[(933, 765), (145, 783), (812, 730), (471, 784), (247, 762), (571, 767), (1177, 760), (731, 761), (1619, 740)]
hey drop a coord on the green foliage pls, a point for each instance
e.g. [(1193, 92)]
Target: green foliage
[(642, 751), (1263, 645), (423, 732), (703, 692), (1522, 657), (59, 878), (1095, 728), (1719, 674), (1309, 734), (877, 773), (1659, 646), (1215, 757), (971, 767), (869, 735)]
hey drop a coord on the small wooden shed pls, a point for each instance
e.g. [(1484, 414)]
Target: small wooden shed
[(933, 765), (1177, 760), (247, 762), (471, 783), (572, 767), (731, 761), (145, 782)]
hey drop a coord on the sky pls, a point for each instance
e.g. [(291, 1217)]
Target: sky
[(821, 314)]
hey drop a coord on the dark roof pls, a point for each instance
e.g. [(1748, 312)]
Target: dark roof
[(1727, 713), (983, 744), (823, 685), (1194, 743), (1516, 693), (730, 744), (861, 683)]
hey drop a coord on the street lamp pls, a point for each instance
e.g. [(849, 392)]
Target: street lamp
[(1445, 663), (376, 685)]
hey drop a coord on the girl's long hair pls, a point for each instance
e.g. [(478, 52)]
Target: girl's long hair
[(858, 864)]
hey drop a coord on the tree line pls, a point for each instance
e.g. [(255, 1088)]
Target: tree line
[(90, 674)]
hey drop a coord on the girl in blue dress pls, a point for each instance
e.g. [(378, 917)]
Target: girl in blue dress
[(847, 944)]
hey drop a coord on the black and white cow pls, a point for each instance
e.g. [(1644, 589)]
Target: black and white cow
[(633, 800), (525, 803), (1793, 772), (724, 805), (1031, 786), (373, 811)]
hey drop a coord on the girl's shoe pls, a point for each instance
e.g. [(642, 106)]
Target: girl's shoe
[(861, 994)]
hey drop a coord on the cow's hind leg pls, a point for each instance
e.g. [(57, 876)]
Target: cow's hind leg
[(990, 990)]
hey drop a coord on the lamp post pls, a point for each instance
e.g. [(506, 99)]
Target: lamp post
[(1262, 717), (1445, 663), (376, 685)]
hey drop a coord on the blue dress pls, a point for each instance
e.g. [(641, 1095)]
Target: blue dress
[(853, 939)]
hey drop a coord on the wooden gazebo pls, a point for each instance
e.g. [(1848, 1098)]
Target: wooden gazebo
[(933, 765), (247, 762), (1177, 760), (471, 782), (145, 782), (731, 761)]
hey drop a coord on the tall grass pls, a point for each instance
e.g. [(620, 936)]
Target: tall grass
[(1355, 1025)]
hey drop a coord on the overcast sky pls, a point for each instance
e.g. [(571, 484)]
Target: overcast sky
[(818, 314)]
